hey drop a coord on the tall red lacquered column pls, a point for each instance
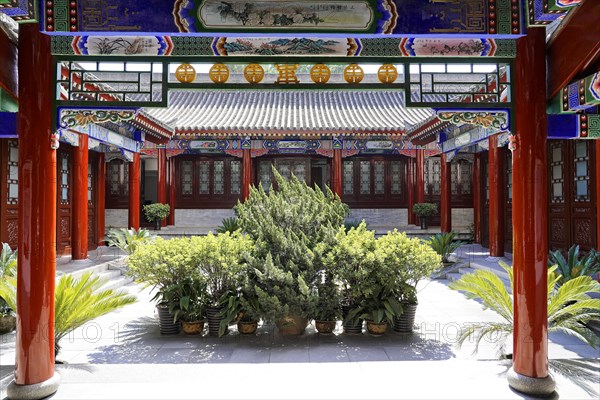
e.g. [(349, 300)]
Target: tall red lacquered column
[(101, 199), (79, 237), (496, 183), (246, 173), (477, 198), (134, 192), (445, 206), (34, 364), (597, 193), (336, 172), (530, 219), (420, 172), (410, 192), (162, 178), (172, 192)]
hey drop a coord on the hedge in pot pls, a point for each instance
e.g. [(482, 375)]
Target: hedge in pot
[(161, 264), (220, 261), (292, 226), (328, 306), (156, 212), (187, 302), (352, 260), (424, 211), (411, 261)]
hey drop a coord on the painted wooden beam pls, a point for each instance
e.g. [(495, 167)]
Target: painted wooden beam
[(9, 74), (575, 48), (574, 126)]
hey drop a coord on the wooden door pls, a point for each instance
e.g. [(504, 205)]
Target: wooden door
[(508, 231), (572, 203), (433, 186), (92, 174), (9, 188), (485, 202), (64, 200)]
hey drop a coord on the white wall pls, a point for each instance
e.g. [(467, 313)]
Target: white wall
[(116, 218)]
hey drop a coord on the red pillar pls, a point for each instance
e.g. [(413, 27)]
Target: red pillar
[(597, 193), (336, 173), (477, 199), (101, 199), (79, 237), (530, 219), (172, 192), (37, 220), (412, 218), (420, 172), (246, 173), (446, 208), (134, 192), (162, 178), (496, 175)]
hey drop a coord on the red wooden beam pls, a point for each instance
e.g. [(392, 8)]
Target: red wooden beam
[(134, 192), (575, 48), (79, 237)]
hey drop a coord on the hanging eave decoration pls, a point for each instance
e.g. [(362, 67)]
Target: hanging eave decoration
[(499, 120), (82, 118), (543, 12), (20, 10)]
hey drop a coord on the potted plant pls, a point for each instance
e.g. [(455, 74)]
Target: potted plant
[(241, 308), (220, 260), (352, 259), (186, 300), (156, 212), (161, 264), (292, 227), (8, 271), (574, 266), (328, 306), (444, 244), (410, 260), (380, 309), (424, 211)]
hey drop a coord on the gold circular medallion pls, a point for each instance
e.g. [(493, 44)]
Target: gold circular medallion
[(387, 73), (320, 73), (254, 73), (353, 73), (185, 73), (219, 73)]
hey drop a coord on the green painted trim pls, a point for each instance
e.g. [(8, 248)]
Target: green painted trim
[(7, 102)]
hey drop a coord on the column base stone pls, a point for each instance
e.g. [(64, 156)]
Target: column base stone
[(35, 391), (531, 386)]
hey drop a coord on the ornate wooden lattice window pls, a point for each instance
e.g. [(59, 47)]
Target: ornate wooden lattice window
[(299, 167), (208, 182), (556, 173), (581, 169), (65, 186), (433, 176), (264, 174), (12, 193), (90, 184), (508, 180), (117, 191), (374, 181)]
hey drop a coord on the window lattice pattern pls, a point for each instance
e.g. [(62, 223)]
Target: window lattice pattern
[(454, 167), (204, 177), (348, 177), (365, 177), (508, 183), (236, 177), (65, 186), (379, 170), (433, 176), (219, 177), (187, 178), (264, 174), (582, 174), (557, 181), (90, 184), (396, 167), (13, 173)]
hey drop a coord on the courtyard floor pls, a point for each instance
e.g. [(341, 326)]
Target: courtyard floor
[(123, 355)]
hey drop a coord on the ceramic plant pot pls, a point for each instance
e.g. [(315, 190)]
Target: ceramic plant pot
[(214, 320), (404, 323), (7, 324), (349, 327), (326, 327), (292, 325), (377, 329), (192, 328), (165, 321), (247, 327)]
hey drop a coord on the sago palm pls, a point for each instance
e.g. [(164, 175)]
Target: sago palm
[(128, 240), (76, 301), (570, 307)]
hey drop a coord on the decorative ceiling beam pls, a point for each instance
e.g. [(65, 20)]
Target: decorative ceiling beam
[(574, 126), (575, 48), (9, 75), (20, 11), (578, 96), (543, 12), (82, 118), (498, 120)]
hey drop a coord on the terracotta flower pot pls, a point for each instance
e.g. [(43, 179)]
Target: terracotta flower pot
[(7, 324), (247, 327), (325, 326), (376, 329), (292, 325), (192, 328)]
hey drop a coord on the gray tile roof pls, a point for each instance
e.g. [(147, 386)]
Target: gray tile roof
[(288, 111)]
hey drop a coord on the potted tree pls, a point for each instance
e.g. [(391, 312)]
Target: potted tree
[(424, 211), (292, 227), (156, 212), (410, 260), (220, 260), (328, 306), (239, 307), (162, 264)]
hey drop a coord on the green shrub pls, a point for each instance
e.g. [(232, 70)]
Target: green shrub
[(156, 211), (230, 225), (570, 307), (425, 209), (352, 224), (292, 228), (8, 271), (574, 265), (186, 299), (162, 263), (444, 244), (128, 239)]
